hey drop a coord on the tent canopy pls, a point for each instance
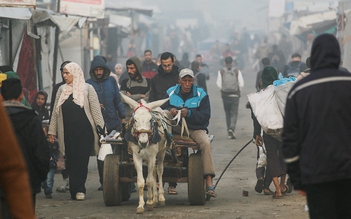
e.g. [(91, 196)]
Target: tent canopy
[(15, 13), (312, 22), (65, 23)]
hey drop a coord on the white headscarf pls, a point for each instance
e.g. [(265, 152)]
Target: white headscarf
[(76, 87)]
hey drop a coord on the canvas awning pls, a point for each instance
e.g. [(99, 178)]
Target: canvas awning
[(65, 23), (312, 22), (15, 13)]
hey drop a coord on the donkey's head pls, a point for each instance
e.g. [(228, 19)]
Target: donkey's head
[(143, 121)]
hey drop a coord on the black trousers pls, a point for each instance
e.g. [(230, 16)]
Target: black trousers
[(329, 200)]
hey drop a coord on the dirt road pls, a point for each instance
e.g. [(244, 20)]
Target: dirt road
[(229, 204)]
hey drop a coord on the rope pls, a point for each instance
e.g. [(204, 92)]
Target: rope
[(232, 161)]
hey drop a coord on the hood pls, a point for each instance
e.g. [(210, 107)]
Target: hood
[(19, 114), (99, 62), (269, 75), (137, 64), (175, 71), (34, 104), (325, 53)]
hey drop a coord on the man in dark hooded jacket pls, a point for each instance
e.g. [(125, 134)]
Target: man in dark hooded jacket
[(168, 75), (29, 133), (112, 108), (136, 86), (39, 104), (317, 129)]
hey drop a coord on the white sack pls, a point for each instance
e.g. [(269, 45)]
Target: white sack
[(105, 149), (281, 93), (265, 107)]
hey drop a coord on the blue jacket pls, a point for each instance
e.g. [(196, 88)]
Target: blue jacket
[(108, 94), (197, 103)]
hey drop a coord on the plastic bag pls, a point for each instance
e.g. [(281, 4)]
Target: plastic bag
[(262, 159), (283, 80), (265, 108), (105, 149)]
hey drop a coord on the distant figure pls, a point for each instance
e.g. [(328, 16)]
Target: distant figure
[(200, 78), (167, 77), (227, 52), (15, 186), (204, 67), (285, 46), (263, 50), (230, 82), (110, 62), (136, 86), (29, 133), (294, 67), (316, 135), (39, 105), (185, 60), (149, 68)]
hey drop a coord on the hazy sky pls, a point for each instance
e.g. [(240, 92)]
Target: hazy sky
[(245, 12)]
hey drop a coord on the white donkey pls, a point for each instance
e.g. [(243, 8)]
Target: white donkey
[(146, 137)]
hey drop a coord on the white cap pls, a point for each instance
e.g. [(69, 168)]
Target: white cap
[(186, 72)]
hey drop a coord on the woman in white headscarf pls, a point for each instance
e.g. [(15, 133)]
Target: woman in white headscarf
[(75, 117)]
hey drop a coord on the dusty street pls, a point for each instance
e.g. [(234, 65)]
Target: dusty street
[(229, 204)]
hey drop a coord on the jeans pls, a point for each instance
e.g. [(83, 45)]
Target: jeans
[(49, 183), (231, 105)]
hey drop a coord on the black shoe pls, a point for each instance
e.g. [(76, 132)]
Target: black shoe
[(48, 196), (100, 188)]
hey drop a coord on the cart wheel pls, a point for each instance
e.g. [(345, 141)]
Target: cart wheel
[(111, 185), (196, 182)]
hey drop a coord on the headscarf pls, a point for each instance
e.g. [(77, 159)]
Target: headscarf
[(119, 64), (269, 74), (76, 87)]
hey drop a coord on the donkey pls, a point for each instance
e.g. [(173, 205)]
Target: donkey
[(146, 135)]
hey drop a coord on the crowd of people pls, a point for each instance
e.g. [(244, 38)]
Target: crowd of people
[(313, 152)]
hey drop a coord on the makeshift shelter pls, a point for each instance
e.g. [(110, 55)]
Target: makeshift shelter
[(32, 40), (316, 23)]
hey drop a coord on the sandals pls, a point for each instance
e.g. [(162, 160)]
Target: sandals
[(172, 190), (286, 190), (275, 196), (211, 192), (270, 192)]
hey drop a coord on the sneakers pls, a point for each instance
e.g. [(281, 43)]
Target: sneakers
[(48, 196), (80, 196), (231, 134)]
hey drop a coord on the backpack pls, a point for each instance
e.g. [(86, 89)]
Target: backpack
[(293, 70), (230, 83)]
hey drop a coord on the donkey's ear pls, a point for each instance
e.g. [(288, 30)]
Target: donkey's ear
[(154, 104), (132, 103)]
